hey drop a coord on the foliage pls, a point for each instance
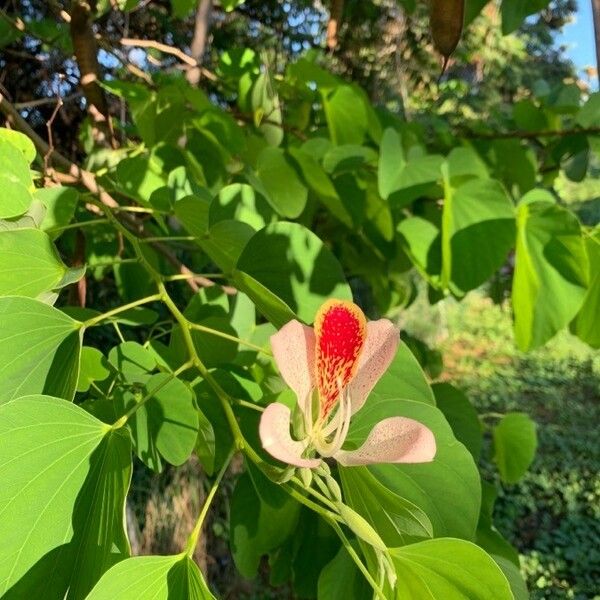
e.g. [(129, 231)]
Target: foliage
[(139, 289)]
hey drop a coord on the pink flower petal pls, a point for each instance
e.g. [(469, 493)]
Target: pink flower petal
[(393, 440), (274, 431), (294, 352), (379, 351)]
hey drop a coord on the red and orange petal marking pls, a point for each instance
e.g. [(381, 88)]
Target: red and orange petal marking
[(340, 330)]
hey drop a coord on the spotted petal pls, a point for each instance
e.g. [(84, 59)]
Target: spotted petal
[(294, 352), (274, 431), (392, 440), (378, 352)]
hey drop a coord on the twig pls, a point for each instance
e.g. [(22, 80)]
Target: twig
[(176, 52), (49, 123), (44, 101)]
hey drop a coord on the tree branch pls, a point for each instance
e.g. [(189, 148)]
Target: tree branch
[(333, 25)]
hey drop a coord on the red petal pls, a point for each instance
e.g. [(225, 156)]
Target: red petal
[(340, 329)]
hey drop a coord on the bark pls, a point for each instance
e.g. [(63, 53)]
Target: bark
[(200, 40)]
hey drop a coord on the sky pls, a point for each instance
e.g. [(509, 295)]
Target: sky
[(578, 37)]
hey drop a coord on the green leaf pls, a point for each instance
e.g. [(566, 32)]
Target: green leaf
[(62, 505), (514, 12), (400, 173), (153, 578), (477, 214), (262, 517), (589, 113), (15, 167), (29, 263), (60, 203), (586, 325), (488, 537), (39, 349), (267, 109), (448, 569), (93, 367), (447, 489), (166, 426), (139, 177), (404, 378), (512, 573), (192, 211), (132, 360), (515, 442), (21, 142), (342, 579), (551, 272), (396, 519), (287, 271), (461, 415), (346, 114), (278, 181), (239, 202)]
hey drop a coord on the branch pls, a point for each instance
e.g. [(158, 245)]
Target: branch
[(528, 135), (88, 180), (198, 46)]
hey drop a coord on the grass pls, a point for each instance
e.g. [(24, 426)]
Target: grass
[(553, 515)]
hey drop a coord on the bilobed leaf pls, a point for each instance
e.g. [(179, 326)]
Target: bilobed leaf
[(518, 587), (448, 569), (39, 349), (153, 578), (93, 367), (515, 442), (477, 215), (29, 263), (286, 270), (401, 177), (62, 512), (551, 272), (240, 202), (225, 242), (447, 489), (166, 426), (461, 415)]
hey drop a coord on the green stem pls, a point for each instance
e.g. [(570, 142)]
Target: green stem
[(226, 336), (193, 539), (359, 563), (115, 311), (77, 225), (175, 238)]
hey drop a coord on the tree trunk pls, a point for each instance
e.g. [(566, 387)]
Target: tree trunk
[(596, 13), (198, 47)]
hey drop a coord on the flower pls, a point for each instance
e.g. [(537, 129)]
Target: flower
[(332, 368)]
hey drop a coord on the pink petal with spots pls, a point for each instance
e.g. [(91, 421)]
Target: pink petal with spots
[(378, 352), (274, 431), (294, 352), (393, 440)]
